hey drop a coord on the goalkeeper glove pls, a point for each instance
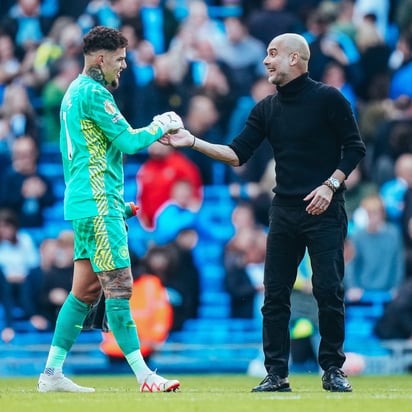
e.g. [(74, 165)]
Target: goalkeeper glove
[(168, 122)]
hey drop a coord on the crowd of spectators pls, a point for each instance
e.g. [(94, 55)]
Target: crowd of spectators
[(203, 59)]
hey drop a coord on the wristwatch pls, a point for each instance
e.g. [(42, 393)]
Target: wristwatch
[(332, 183)]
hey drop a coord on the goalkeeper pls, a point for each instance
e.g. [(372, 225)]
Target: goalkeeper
[(93, 137)]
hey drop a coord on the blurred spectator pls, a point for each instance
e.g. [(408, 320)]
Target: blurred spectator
[(358, 186), (163, 261), (63, 40), (271, 20), (334, 74), (6, 143), (186, 279), (400, 51), (72, 9), (202, 118), (18, 256), (206, 74), (345, 21), (159, 24), (160, 94), (374, 63), (104, 13), (372, 115), (378, 261), (242, 56), (152, 20), (396, 320), (56, 274), (64, 71), (243, 216), (23, 188), (200, 26), (378, 10), (403, 14), (393, 191), (249, 6), (145, 23), (178, 213), (18, 111), (157, 176), (392, 139), (406, 219), (327, 44), (27, 24), (9, 64), (244, 263), (302, 9), (125, 12), (141, 56), (399, 83)]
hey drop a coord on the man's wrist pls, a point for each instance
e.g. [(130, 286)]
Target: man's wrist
[(332, 183), (194, 141)]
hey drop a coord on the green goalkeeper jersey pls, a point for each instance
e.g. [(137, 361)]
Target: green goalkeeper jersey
[(93, 136)]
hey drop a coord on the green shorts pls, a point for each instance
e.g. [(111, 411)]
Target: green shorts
[(102, 240)]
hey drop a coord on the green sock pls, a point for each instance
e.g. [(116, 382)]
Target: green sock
[(55, 360), (124, 330), (138, 365), (68, 327), (122, 325)]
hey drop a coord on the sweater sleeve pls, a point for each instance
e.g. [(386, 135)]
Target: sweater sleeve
[(343, 121)]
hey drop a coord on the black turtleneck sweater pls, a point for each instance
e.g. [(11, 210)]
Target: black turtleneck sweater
[(312, 131)]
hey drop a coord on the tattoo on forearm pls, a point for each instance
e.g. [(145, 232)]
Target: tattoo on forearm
[(95, 72), (116, 283)]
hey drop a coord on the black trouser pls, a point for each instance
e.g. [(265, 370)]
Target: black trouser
[(291, 230)]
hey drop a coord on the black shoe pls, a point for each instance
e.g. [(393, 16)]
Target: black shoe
[(273, 383), (335, 380)]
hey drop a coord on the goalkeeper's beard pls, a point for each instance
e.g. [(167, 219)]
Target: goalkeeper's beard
[(114, 84)]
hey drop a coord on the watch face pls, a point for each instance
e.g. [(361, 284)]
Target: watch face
[(335, 182)]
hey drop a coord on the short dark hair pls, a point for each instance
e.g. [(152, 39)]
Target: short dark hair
[(103, 38)]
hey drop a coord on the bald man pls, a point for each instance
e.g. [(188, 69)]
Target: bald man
[(316, 144)]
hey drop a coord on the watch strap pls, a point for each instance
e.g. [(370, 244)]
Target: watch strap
[(329, 184)]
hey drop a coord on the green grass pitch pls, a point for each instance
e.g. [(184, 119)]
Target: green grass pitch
[(211, 393)]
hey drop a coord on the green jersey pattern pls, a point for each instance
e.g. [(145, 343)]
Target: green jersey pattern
[(93, 169)]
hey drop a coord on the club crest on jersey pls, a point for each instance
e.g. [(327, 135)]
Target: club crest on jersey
[(109, 107), (123, 252)]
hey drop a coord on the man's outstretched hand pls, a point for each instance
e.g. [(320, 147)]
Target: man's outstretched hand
[(181, 138)]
